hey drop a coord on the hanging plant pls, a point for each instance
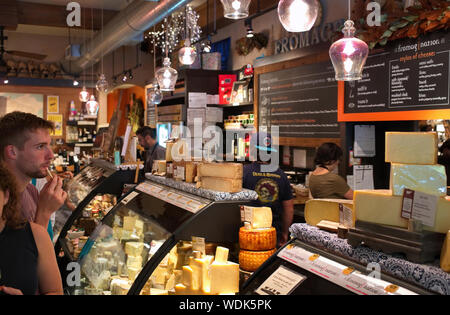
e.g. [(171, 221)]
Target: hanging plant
[(427, 16)]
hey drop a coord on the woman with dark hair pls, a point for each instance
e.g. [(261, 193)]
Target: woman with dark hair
[(27, 258), (323, 182)]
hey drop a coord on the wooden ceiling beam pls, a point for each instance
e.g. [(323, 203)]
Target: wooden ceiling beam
[(8, 14)]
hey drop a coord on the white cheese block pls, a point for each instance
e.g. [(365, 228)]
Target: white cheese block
[(133, 273), (379, 206), (154, 291), (134, 248), (188, 275), (335, 210), (128, 223), (134, 261), (221, 254), (258, 217), (445, 254), (224, 170), (139, 227), (224, 277), (221, 184), (411, 147), (430, 179)]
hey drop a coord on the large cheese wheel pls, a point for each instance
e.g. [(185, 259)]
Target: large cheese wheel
[(252, 260), (257, 239)]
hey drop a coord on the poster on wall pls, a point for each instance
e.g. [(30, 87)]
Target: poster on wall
[(24, 102), (52, 104), (58, 123)]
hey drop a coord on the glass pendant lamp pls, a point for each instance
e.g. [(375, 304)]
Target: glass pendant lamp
[(349, 55), (102, 84), (187, 54), (298, 15), (166, 76), (92, 106), (155, 95), (235, 9), (84, 95)]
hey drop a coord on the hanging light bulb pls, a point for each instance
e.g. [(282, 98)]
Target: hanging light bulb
[(187, 54), (298, 15), (102, 84), (155, 96), (348, 55), (166, 76), (235, 9), (92, 106), (84, 95)]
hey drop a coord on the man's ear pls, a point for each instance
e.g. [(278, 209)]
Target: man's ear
[(10, 152)]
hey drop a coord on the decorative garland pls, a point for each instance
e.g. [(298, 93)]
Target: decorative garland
[(425, 17)]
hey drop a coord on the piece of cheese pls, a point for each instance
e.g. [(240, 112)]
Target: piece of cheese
[(379, 206), (445, 254), (259, 217), (128, 223), (335, 210), (159, 167), (442, 220), (252, 260), (133, 273), (159, 276), (430, 179), (170, 284), (154, 291), (191, 171), (169, 146), (200, 267), (188, 277), (119, 286), (223, 170), (181, 289), (134, 261), (139, 227), (134, 248), (411, 147), (221, 184), (221, 254), (224, 277), (257, 239)]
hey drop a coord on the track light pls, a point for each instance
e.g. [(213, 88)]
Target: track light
[(130, 75), (124, 77), (75, 82), (250, 32)]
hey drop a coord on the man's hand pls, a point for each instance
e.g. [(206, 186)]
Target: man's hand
[(10, 291), (51, 198)]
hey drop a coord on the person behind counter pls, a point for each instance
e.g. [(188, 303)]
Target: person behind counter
[(273, 188), (153, 151), (323, 183), (444, 158), (27, 258)]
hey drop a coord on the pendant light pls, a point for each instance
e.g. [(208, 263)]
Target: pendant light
[(349, 54), (84, 94), (166, 76), (298, 15), (235, 9), (154, 94), (92, 105), (187, 54), (102, 84)]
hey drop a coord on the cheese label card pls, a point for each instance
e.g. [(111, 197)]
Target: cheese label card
[(346, 216), (198, 244), (282, 282), (423, 207)]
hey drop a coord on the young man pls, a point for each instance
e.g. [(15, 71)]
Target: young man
[(272, 186), (153, 151), (25, 150)]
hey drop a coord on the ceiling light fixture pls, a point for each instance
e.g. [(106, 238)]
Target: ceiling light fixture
[(235, 9), (166, 76), (92, 106), (348, 54), (102, 83), (298, 15), (250, 32)]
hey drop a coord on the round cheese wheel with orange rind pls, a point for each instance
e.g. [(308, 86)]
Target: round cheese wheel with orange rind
[(252, 260), (257, 239)]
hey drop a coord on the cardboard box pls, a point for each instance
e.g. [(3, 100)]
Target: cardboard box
[(197, 100)]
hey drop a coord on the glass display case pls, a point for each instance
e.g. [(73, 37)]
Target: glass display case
[(93, 192), (300, 269), (151, 229)]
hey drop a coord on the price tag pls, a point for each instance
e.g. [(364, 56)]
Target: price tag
[(419, 206), (282, 282), (198, 244)]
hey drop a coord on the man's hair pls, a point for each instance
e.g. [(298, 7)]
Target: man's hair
[(146, 131), (327, 153), (16, 126), (11, 211)]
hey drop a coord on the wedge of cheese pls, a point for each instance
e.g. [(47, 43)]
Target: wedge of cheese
[(221, 184), (335, 210), (379, 206), (134, 248), (411, 147), (224, 170), (430, 179), (445, 254), (224, 277), (258, 217), (200, 268), (221, 254)]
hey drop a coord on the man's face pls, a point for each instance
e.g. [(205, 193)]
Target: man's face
[(143, 143), (35, 157)]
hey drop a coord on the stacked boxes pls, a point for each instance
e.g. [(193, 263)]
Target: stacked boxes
[(413, 157)]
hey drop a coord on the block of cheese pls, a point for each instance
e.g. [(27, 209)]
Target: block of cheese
[(134, 248), (379, 206), (221, 254), (169, 146), (411, 147), (188, 278), (200, 267), (154, 291), (335, 210), (159, 275), (133, 273), (258, 217), (257, 239), (224, 170), (128, 223), (221, 184), (191, 171), (252, 260), (134, 261), (445, 254), (430, 179), (442, 220), (119, 285), (139, 226), (159, 167), (224, 277)]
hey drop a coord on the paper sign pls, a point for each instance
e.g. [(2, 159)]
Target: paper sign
[(362, 177), (364, 144), (282, 282), (419, 206)]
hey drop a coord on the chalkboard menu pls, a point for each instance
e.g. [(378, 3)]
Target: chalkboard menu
[(410, 75), (302, 101)]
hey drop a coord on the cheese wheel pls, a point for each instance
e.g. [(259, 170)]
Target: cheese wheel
[(257, 239), (251, 261)]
